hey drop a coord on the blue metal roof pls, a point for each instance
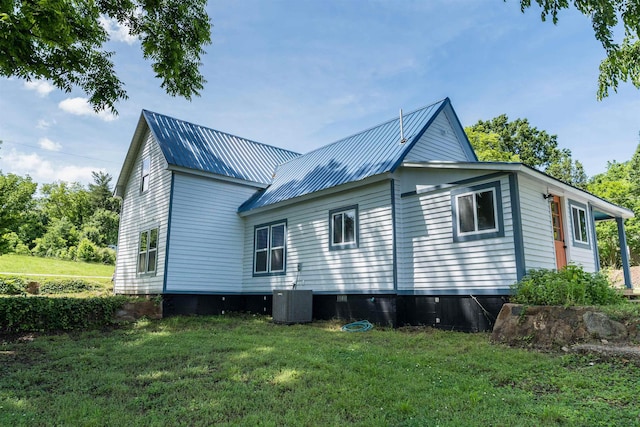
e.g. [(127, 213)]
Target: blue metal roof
[(196, 147), (368, 153)]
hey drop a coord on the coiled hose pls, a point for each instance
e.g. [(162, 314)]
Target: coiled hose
[(360, 326)]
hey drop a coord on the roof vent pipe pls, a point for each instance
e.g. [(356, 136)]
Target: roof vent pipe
[(402, 138)]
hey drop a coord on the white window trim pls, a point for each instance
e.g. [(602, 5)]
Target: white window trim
[(344, 244), (475, 212), (577, 234), (147, 252), (145, 174), (269, 249)]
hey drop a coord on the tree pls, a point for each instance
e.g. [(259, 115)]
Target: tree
[(487, 146), (101, 194), (16, 198), (499, 139), (622, 60), (62, 200), (62, 41)]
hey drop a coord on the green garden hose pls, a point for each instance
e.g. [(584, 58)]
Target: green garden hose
[(360, 326)]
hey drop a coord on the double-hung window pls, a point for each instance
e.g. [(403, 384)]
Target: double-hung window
[(477, 212), (343, 228), (148, 251), (145, 172), (579, 223), (270, 248)]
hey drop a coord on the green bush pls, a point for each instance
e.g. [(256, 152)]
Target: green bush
[(67, 286), (87, 251), (12, 285), (14, 244), (42, 314), (569, 286), (107, 256)]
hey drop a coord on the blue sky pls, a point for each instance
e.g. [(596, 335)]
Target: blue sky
[(301, 74)]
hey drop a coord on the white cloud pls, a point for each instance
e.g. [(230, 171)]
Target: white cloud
[(42, 87), (45, 124), (80, 107), (117, 32), (44, 171), (49, 145)]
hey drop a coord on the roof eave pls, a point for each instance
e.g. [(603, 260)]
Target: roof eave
[(597, 202), (199, 172), (136, 142), (320, 193)]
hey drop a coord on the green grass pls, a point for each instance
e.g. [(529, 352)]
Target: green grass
[(25, 264), (38, 269), (244, 370)]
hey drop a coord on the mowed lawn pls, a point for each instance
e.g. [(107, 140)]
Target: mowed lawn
[(247, 371), (43, 269), (34, 266)]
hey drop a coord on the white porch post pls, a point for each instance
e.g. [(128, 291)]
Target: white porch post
[(623, 253)]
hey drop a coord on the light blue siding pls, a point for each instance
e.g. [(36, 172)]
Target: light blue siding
[(537, 230), (368, 268), (430, 260), (206, 248), (143, 211), (439, 142)]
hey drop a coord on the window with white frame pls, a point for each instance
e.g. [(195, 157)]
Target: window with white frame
[(145, 172), (148, 251), (343, 228), (477, 212), (579, 224), (270, 248)]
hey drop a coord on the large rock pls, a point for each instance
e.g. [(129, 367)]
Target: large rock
[(600, 326), (553, 326)]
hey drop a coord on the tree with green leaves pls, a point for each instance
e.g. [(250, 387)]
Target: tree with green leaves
[(608, 18), (63, 41), (499, 139), (16, 199), (101, 193), (63, 200), (616, 185)]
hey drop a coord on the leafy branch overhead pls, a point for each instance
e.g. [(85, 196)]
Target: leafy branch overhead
[(63, 41), (623, 59)]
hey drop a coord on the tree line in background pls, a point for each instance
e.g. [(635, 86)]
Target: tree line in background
[(499, 139), (61, 220)]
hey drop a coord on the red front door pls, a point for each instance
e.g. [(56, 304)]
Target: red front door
[(558, 233)]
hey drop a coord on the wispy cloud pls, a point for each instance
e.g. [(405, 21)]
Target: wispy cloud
[(43, 170), (42, 87), (117, 32), (45, 124), (49, 145), (80, 107)]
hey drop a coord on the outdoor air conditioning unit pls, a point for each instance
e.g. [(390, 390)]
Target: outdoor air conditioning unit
[(292, 306)]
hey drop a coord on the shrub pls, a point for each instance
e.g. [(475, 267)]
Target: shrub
[(72, 253), (67, 286), (568, 287), (12, 285), (42, 314), (107, 256), (87, 251)]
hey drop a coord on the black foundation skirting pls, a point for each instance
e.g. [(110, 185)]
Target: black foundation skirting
[(451, 312)]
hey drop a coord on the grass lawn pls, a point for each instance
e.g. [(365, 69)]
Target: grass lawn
[(25, 264), (39, 269), (244, 370)]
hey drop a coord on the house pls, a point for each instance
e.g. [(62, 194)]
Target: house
[(398, 224)]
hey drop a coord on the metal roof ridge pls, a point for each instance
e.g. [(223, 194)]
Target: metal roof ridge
[(219, 131)]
